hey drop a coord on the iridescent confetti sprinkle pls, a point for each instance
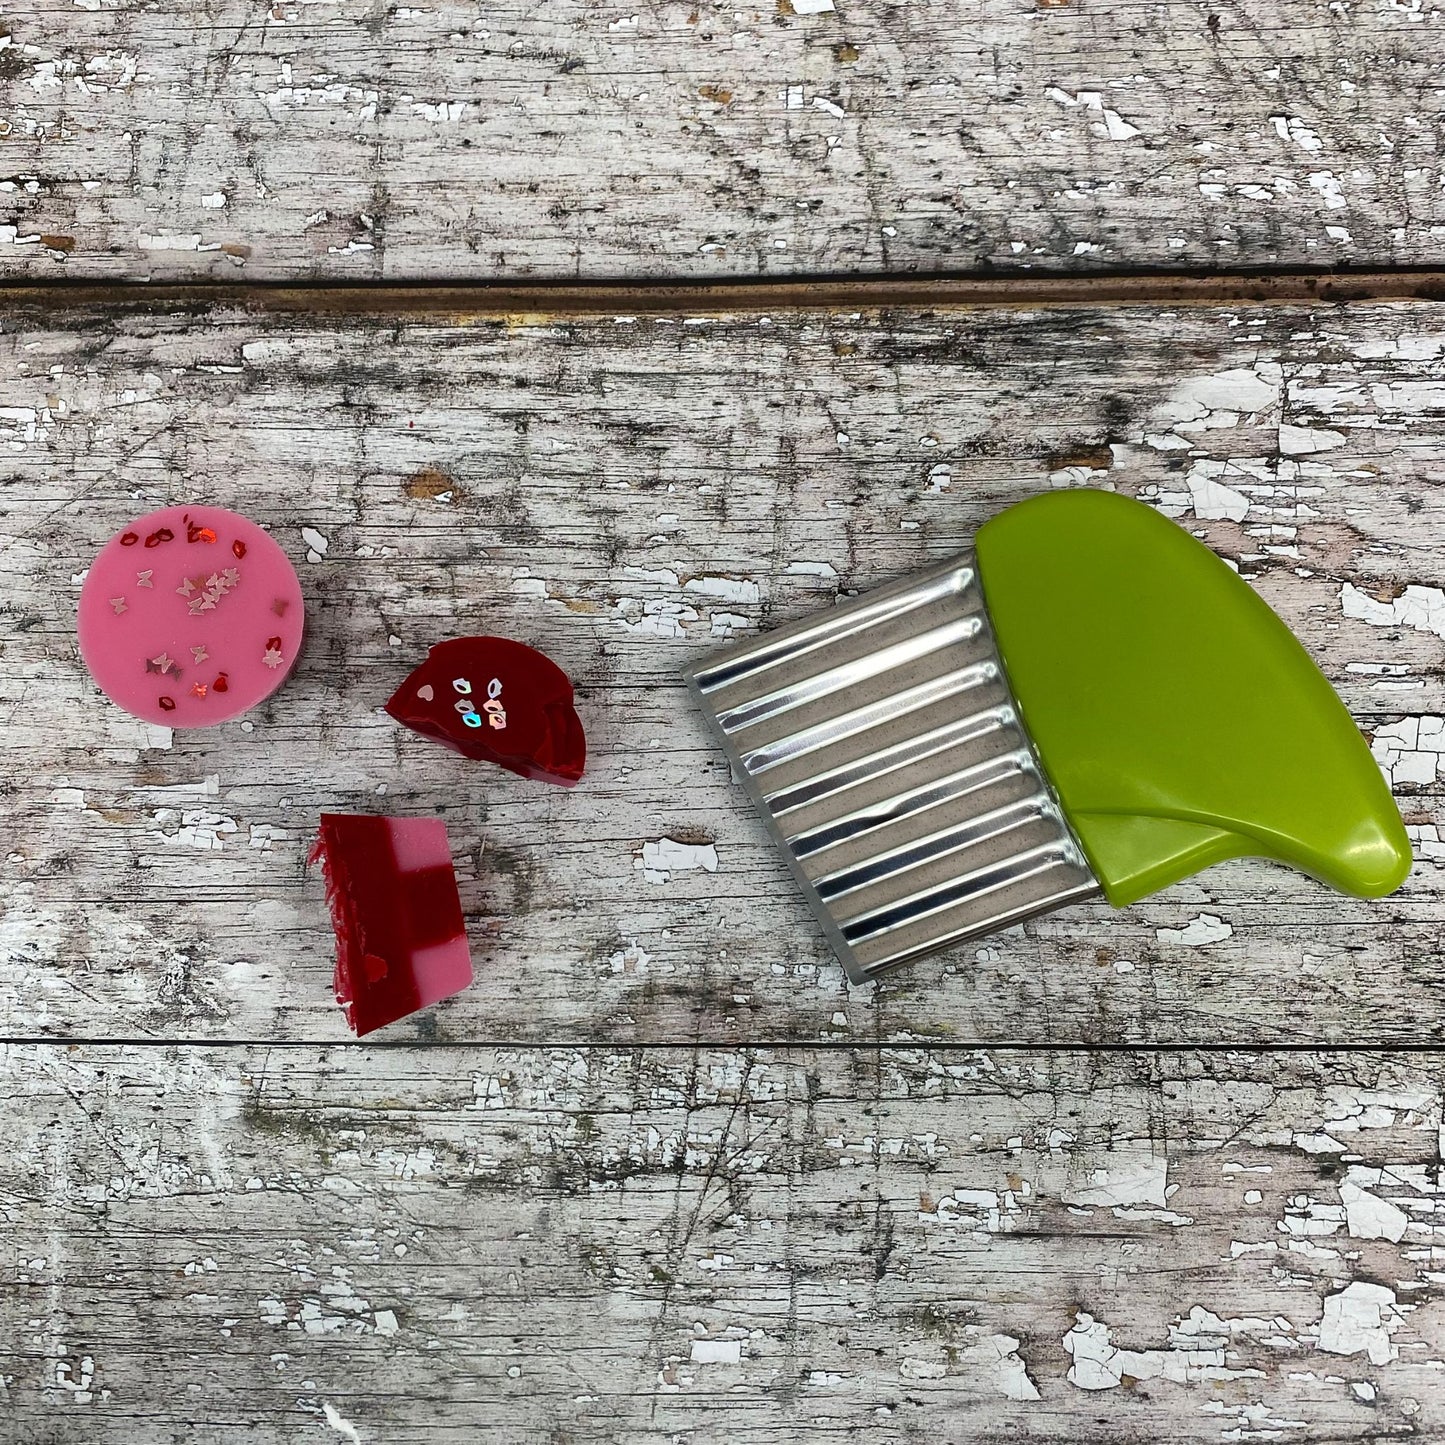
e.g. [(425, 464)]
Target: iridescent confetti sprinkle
[(119, 604), (143, 579), (199, 653)]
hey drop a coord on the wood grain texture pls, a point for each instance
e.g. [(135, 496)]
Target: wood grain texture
[(526, 1246), (350, 138), (626, 495)]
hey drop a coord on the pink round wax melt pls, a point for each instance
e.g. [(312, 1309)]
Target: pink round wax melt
[(190, 616)]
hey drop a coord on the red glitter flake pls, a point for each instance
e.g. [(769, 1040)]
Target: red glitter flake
[(163, 535), (198, 689), (128, 539), (168, 704), (198, 534), (220, 684), (239, 548), (273, 644)]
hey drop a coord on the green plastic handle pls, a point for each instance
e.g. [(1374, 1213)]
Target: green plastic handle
[(1179, 720)]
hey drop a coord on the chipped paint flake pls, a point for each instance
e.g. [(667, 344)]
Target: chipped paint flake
[(659, 860), (1361, 1319), (1300, 441), (1204, 929), (1329, 188), (1367, 1216), (316, 543), (1111, 125), (340, 1423), (1210, 499), (1420, 608), (716, 1352), (1134, 1175), (1411, 750), (723, 589), (193, 828)]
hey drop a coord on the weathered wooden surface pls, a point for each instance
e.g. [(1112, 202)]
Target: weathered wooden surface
[(357, 139), (626, 495), (226, 1244)]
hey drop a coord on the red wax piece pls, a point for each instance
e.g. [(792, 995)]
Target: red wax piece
[(401, 943), (190, 616), (498, 701)]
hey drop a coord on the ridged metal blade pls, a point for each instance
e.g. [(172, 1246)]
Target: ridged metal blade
[(882, 747)]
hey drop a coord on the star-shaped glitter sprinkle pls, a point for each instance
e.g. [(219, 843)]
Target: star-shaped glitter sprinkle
[(272, 657), (161, 664), (198, 689), (119, 604), (143, 579), (199, 653)]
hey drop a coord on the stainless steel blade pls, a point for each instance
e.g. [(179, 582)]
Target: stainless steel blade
[(883, 749)]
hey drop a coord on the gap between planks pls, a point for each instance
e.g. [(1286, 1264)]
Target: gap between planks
[(510, 300)]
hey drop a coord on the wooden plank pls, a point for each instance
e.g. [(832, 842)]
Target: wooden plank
[(627, 494), (348, 139), (645, 1245)]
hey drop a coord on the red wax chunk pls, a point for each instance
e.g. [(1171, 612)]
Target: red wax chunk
[(401, 943), (498, 701)]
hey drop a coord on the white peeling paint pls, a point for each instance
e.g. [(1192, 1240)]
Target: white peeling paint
[(316, 542), (340, 1423), (1370, 1217), (667, 856), (1299, 441), (812, 7), (193, 828), (169, 242), (1210, 499), (724, 624), (632, 959), (1361, 1318), (1421, 608), (78, 1383), (1111, 124), (716, 1352), (1240, 389), (1292, 128), (1204, 929), (1131, 1176), (654, 617), (724, 589), (447, 112), (1412, 750), (1329, 188), (663, 576), (812, 569), (1197, 1353)]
